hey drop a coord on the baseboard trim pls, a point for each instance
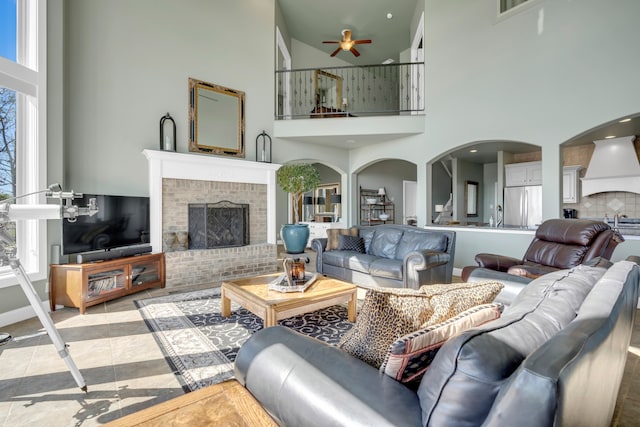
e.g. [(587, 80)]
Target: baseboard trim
[(457, 272), (20, 314)]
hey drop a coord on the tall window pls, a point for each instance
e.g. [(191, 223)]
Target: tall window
[(23, 124)]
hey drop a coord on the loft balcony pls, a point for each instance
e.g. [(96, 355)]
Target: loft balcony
[(350, 106)]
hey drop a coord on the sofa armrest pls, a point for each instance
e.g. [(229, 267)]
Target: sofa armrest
[(318, 245), (417, 262), (302, 381), (531, 271), (497, 262), (512, 284)]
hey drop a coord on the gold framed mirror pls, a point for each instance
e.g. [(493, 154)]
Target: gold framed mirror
[(328, 90), (216, 119)]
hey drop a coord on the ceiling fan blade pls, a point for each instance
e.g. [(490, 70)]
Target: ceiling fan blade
[(331, 41), (354, 51), (335, 52), (367, 41)]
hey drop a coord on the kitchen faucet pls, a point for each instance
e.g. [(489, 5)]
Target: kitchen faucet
[(616, 218)]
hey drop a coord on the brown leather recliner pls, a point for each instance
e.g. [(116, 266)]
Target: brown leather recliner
[(558, 244)]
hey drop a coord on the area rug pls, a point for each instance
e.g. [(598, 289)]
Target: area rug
[(200, 345)]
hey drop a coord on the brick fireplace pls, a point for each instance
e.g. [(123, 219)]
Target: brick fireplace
[(177, 180)]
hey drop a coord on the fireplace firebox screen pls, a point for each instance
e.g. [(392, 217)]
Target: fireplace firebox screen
[(218, 225)]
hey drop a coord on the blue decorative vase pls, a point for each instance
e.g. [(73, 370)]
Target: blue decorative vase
[(295, 237)]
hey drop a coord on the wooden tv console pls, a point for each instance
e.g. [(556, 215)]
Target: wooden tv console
[(84, 285)]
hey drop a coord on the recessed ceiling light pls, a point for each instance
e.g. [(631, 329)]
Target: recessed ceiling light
[(389, 15), (388, 61), (625, 120), (473, 150), (351, 141), (609, 136)]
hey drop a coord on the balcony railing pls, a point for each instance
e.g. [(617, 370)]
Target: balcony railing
[(369, 90)]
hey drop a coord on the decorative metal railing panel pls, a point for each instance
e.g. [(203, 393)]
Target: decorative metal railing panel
[(369, 90)]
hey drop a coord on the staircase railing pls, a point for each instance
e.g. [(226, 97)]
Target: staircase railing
[(368, 90)]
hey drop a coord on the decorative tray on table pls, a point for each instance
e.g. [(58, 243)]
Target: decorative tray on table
[(285, 284)]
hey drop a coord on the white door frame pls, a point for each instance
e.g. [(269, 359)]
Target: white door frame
[(409, 200), (281, 47), (417, 77)]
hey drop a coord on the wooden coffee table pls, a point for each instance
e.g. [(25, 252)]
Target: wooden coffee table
[(224, 404), (254, 294)]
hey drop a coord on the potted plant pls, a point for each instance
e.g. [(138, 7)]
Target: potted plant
[(296, 179)]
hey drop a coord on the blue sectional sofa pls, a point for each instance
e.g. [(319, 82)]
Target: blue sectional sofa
[(555, 357)]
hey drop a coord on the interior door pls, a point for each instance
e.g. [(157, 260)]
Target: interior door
[(409, 198)]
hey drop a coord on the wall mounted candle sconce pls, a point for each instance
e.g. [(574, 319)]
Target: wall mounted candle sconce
[(263, 148), (167, 139)]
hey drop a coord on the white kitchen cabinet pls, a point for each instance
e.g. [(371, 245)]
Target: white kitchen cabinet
[(571, 184), (519, 174), (319, 229)]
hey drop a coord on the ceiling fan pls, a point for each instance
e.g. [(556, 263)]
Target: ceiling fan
[(346, 43)]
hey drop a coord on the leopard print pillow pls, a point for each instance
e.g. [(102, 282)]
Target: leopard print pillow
[(386, 314), (389, 313)]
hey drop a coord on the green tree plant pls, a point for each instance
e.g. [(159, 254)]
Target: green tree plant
[(296, 179)]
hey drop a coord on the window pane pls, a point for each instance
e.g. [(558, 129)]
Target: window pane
[(7, 143), (509, 4), (8, 29)]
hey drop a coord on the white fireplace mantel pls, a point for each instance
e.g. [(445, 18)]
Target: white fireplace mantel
[(168, 164)]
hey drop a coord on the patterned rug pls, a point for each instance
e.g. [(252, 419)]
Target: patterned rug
[(200, 345)]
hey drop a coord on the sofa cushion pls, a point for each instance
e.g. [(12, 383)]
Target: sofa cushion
[(350, 243), (388, 313), (367, 236), (477, 362), (384, 242), (410, 355), (349, 259), (450, 299), (420, 240), (385, 267), (332, 236), (578, 232)]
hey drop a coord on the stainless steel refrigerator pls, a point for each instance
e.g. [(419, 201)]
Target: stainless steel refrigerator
[(523, 206)]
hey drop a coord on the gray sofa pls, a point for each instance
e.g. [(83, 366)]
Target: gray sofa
[(394, 256), (555, 357)]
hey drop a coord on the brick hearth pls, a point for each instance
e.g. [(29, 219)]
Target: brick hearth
[(177, 179)]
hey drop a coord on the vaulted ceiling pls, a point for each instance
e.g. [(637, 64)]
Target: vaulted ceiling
[(311, 22)]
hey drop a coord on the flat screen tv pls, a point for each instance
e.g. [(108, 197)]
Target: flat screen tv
[(121, 221)]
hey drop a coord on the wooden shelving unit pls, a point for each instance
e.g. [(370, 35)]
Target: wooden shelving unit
[(84, 285), (370, 212)]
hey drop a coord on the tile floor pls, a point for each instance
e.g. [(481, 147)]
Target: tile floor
[(125, 371)]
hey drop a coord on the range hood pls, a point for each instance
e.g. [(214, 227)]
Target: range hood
[(614, 166)]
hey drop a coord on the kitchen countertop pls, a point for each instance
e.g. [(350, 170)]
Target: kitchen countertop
[(628, 227)]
